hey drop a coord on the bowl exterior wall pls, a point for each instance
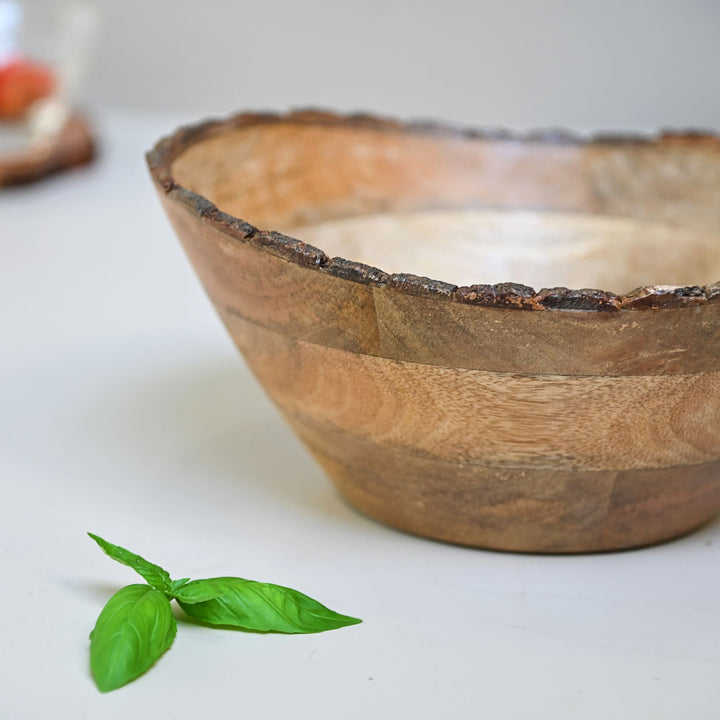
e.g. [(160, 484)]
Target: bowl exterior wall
[(530, 431)]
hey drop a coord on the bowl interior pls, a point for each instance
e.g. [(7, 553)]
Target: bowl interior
[(465, 209)]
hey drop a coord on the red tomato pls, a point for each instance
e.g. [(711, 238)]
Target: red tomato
[(22, 82)]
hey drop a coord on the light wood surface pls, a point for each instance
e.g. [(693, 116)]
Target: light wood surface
[(504, 417), (538, 248)]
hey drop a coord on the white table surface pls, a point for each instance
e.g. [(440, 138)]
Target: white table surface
[(125, 410)]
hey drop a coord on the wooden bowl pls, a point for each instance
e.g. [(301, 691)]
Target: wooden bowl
[(493, 415)]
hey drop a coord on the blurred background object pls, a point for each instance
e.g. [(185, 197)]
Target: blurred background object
[(580, 63), (44, 50)]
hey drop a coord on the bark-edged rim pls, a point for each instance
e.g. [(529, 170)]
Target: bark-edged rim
[(503, 295)]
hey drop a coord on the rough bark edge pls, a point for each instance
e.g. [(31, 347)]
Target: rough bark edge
[(502, 295)]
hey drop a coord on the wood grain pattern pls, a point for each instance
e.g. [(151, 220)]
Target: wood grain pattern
[(532, 247), (491, 415), (237, 278), (376, 320), (677, 341), (517, 508), (546, 421), (284, 174)]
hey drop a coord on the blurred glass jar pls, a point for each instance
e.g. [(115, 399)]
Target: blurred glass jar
[(44, 51)]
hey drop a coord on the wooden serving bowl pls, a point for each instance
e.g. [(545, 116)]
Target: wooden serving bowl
[(486, 414)]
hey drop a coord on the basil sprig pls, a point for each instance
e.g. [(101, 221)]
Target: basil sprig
[(137, 625)]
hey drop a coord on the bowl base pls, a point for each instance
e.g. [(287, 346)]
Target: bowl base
[(523, 509)]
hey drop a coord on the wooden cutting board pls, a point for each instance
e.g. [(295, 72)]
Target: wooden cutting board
[(73, 146)]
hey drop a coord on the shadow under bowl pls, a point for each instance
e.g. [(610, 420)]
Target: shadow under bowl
[(491, 415)]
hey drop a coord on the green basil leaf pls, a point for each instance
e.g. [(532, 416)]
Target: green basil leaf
[(133, 630), (153, 574), (256, 606), (175, 584)]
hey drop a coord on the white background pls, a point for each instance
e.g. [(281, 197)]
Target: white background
[(125, 410), (617, 63)]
